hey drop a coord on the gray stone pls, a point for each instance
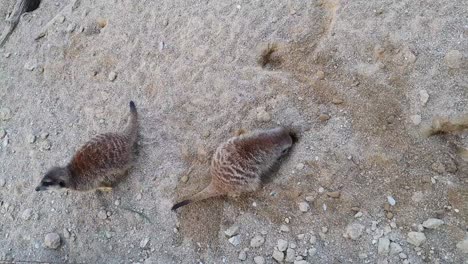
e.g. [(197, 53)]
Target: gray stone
[(395, 248), (424, 97), (313, 239), (354, 231), (463, 246), (5, 114), (259, 260), (391, 200), (282, 245), (416, 238), (232, 231), (257, 241), (290, 255), (312, 251), (26, 215), (301, 262), (432, 223), (284, 228), (278, 255), (242, 255), (52, 241), (2, 182), (144, 243), (263, 115), (403, 256), (112, 76), (304, 207), (383, 246), (2, 133), (235, 240), (31, 138), (453, 59), (416, 119)]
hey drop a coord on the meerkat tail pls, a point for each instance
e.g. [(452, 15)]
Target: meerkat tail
[(206, 193), (132, 124)]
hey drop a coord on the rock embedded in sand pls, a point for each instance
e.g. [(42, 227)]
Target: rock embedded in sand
[(5, 114), (259, 260), (282, 244), (453, 59), (232, 231), (278, 255), (284, 228), (313, 239), (144, 243), (432, 223), (324, 117), (102, 215), (463, 246), (424, 97), (438, 167), (112, 76), (395, 248), (384, 246), (257, 241), (290, 255), (52, 241), (31, 138), (263, 115), (335, 194), (416, 238), (26, 215), (235, 240), (320, 75), (304, 207), (354, 231), (242, 255)]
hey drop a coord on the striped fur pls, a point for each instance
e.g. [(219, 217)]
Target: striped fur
[(100, 163), (239, 163)]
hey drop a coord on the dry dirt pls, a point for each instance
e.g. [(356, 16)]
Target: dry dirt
[(194, 70)]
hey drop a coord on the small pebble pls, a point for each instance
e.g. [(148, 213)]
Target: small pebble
[(290, 255), (300, 166), (60, 19), (320, 75), (391, 200), (383, 247), (432, 223), (335, 194), (354, 231), (389, 215), (284, 228), (416, 119), (71, 27), (313, 239), (463, 246), (304, 207), (52, 241), (26, 215), (358, 215), (424, 97), (117, 202), (416, 238), (2, 182), (282, 244), (438, 167), (184, 179), (112, 76), (454, 59), (138, 197), (242, 255), (144, 243), (2, 133), (403, 256), (235, 240), (161, 46), (324, 117), (395, 248), (312, 251), (259, 260), (5, 114), (31, 138), (232, 231), (263, 115), (257, 241), (321, 190), (324, 229), (278, 255), (337, 101), (102, 215)]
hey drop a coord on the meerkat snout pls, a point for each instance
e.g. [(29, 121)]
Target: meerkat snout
[(239, 163)]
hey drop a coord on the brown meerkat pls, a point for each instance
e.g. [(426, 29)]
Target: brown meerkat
[(99, 164), (238, 164)]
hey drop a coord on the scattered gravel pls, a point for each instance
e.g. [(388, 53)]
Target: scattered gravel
[(416, 238), (52, 241)]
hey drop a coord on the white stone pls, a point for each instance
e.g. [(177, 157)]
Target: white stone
[(416, 238), (282, 244), (395, 248), (453, 59), (278, 255), (402, 255), (144, 242), (259, 260), (301, 262), (424, 97), (383, 247), (26, 215), (463, 246), (304, 207), (391, 200), (263, 115), (300, 166), (257, 241), (52, 241), (284, 228), (354, 231), (416, 119), (313, 239), (102, 215), (312, 251), (112, 76), (242, 255), (232, 231), (235, 240), (358, 215), (432, 223), (290, 255)]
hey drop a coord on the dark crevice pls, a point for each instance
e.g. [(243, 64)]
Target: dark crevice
[(32, 5)]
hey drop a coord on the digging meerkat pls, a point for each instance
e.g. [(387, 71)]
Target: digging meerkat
[(238, 164)]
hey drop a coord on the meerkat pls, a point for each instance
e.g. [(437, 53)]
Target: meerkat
[(238, 164), (99, 164)]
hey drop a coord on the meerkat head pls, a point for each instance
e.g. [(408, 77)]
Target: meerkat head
[(55, 178)]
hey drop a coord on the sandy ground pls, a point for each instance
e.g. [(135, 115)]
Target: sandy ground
[(350, 76)]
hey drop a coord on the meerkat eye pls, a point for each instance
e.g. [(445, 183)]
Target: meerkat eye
[(62, 184)]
